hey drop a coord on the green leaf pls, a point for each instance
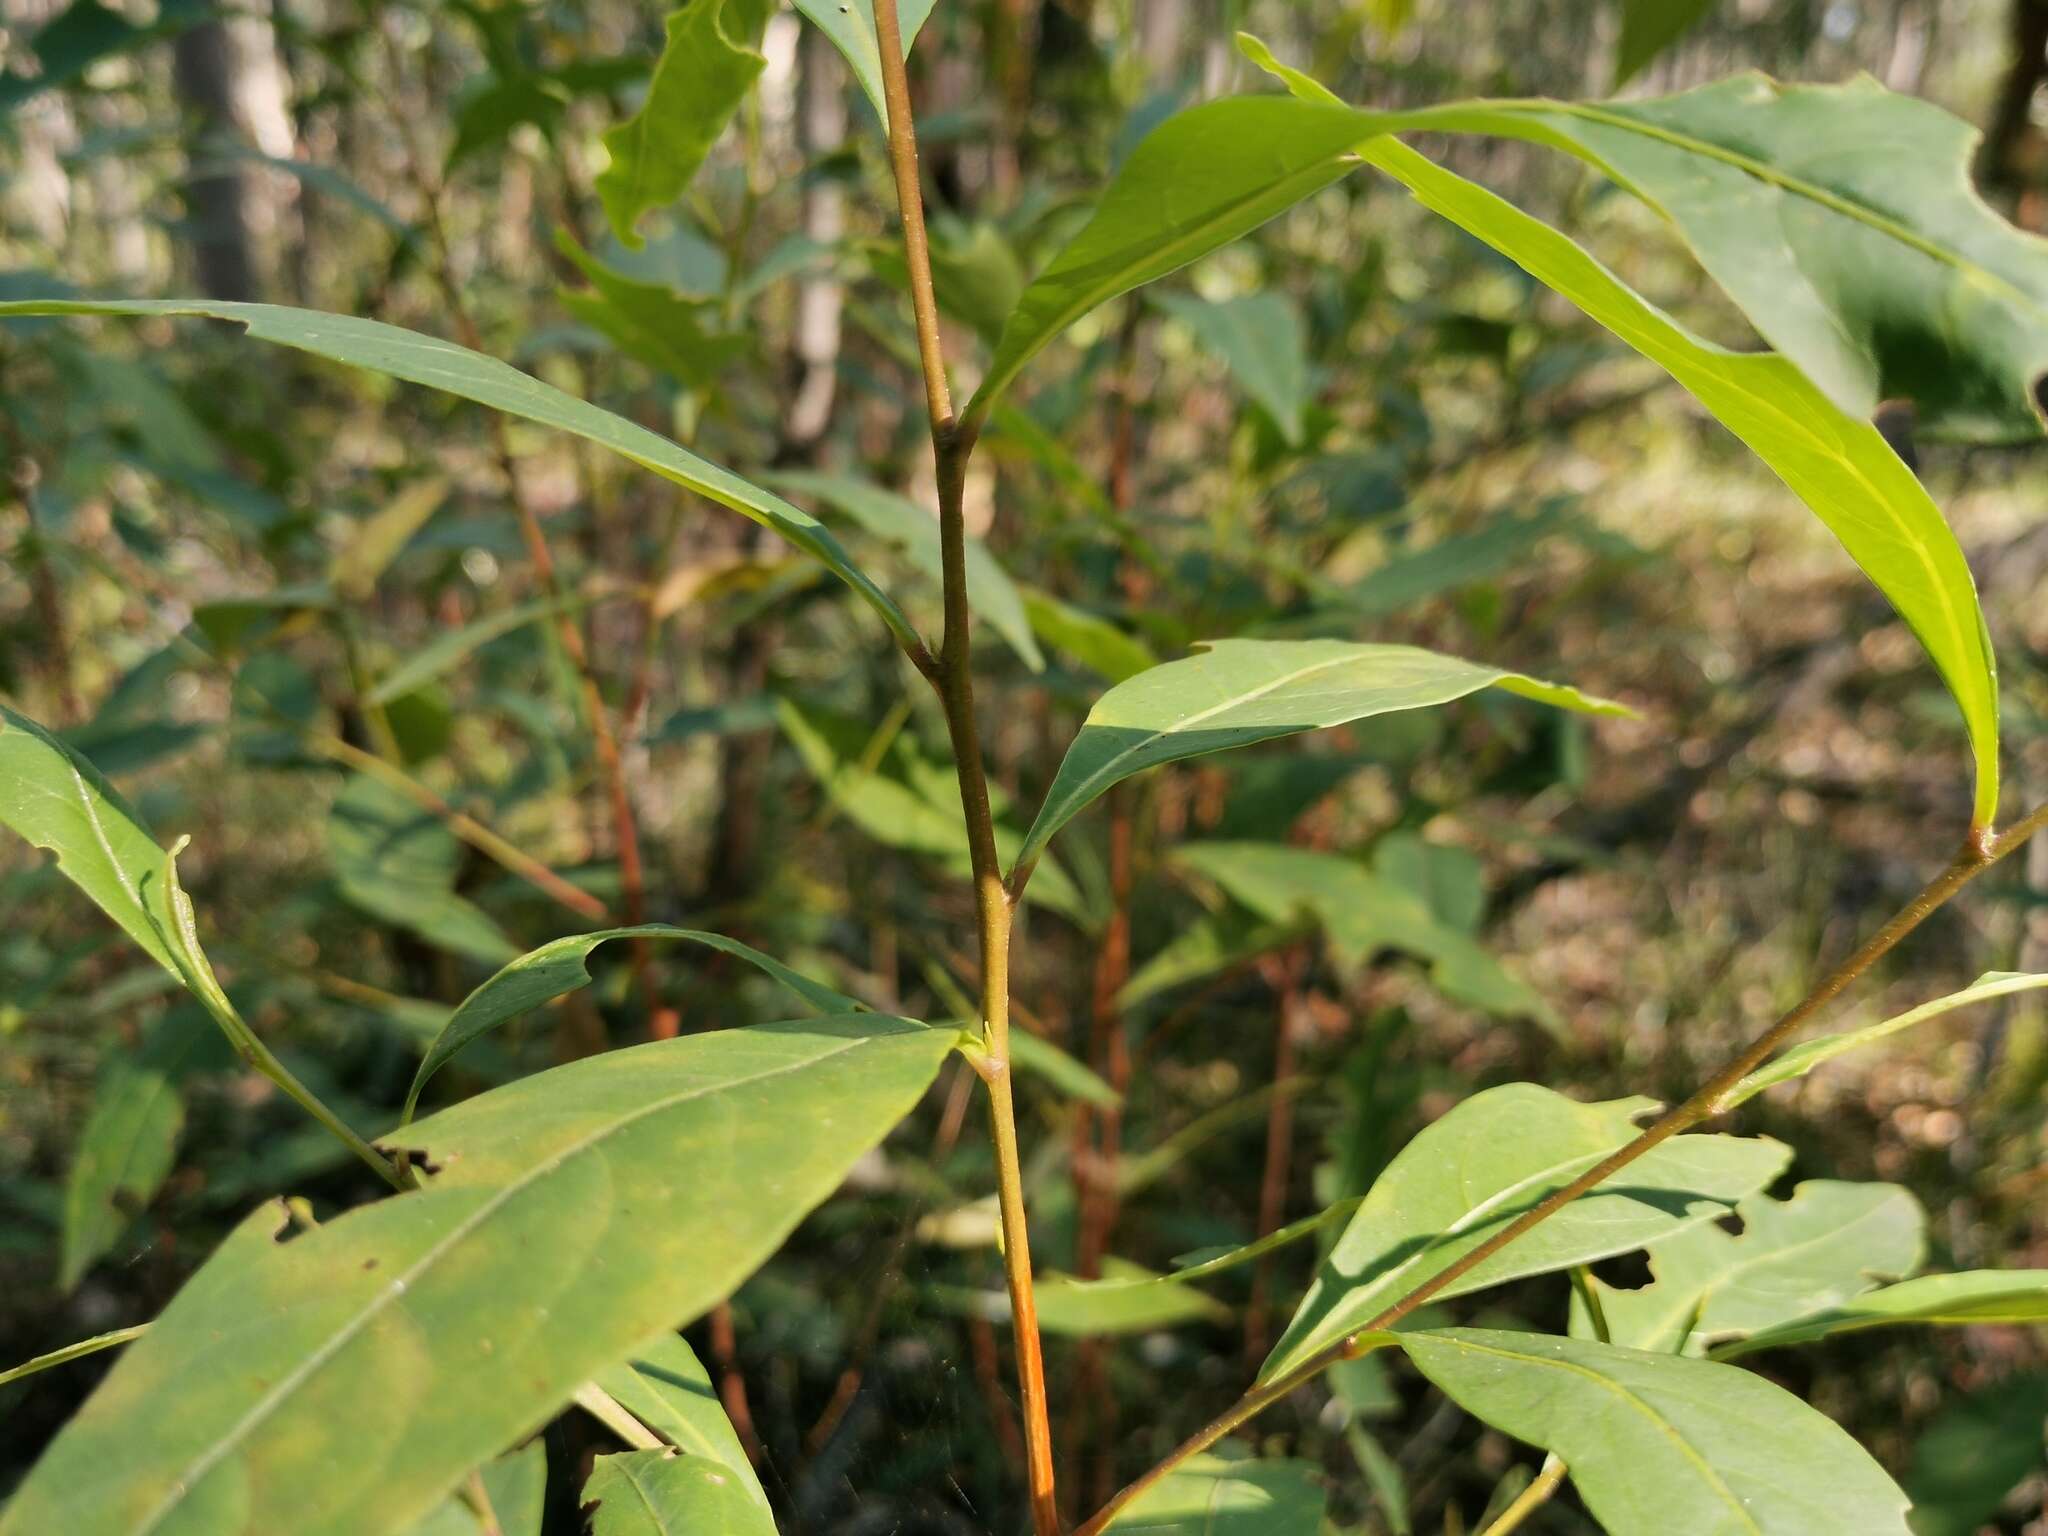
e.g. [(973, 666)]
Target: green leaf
[(397, 863), (1829, 1242), (453, 647), (851, 26), (575, 1216), (1208, 946), (1658, 1444), (1041, 1058), (1087, 637), (1803, 1058), (1975, 1452), (1260, 336), (1492, 1157), (666, 1388), (378, 539), (975, 274), (1127, 1299), (1236, 692), (442, 365), (1197, 182), (131, 1135), (1362, 913), (1497, 546), (1965, 1299), (555, 969), (1648, 28), (651, 321), (708, 64), (516, 1485), (903, 524), (1220, 1496), (652, 1493)]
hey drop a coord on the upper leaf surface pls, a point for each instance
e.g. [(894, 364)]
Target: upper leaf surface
[(1221, 1496), (666, 1387), (651, 1493), (851, 26), (1973, 1296), (576, 1215)]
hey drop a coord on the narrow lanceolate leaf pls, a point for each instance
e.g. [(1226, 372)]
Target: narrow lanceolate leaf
[(380, 538), (666, 1388), (1200, 180), (573, 1217), (1838, 465), (651, 321), (1959, 1300), (543, 974), (450, 649), (899, 521), (1225, 1496), (458, 371), (399, 864), (1802, 1059), (652, 1493), (1658, 1444), (1127, 1299), (57, 800), (1237, 692), (1261, 339), (1483, 1164), (707, 66), (1793, 1258), (1648, 28), (851, 26), (1088, 637)]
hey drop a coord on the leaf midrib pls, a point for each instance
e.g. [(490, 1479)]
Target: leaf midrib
[(402, 1283)]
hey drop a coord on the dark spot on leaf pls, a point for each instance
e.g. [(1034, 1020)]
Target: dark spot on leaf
[(369, 1264)]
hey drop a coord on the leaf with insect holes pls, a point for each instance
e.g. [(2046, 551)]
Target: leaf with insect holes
[(571, 1219), (1658, 1444), (458, 371), (1495, 1155), (1236, 692)]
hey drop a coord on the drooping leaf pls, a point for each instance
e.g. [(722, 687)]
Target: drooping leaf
[(1236, 692), (1961, 1300), (558, 968), (1200, 180), (666, 1388), (396, 862), (450, 649), (379, 538), (1119, 1276), (668, 331), (1492, 1157), (1215, 1495), (1658, 1444), (1648, 28), (653, 1493), (442, 365), (901, 522), (1803, 1058), (1831, 1241), (1361, 913), (1975, 1452), (130, 1138), (1261, 338), (574, 1216), (708, 64), (1087, 637), (851, 26)]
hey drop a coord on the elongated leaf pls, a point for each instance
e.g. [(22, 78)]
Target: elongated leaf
[(447, 651), (543, 974), (652, 1493), (851, 26), (397, 863), (1648, 28), (1658, 1444), (1831, 1241), (1120, 1277), (1803, 1058), (1237, 692), (1200, 180), (903, 523), (575, 1216), (381, 537), (666, 1388), (1128, 1299), (516, 1486), (1039, 1057), (1087, 637), (1260, 336), (1222, 1496), (1959, 1300), (442, 365), (70, 1352), (1491, 1158), (708, 64), (1362, 913), (651, 321)]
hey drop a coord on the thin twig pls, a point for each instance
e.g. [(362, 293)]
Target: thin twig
[(1531, 1498)]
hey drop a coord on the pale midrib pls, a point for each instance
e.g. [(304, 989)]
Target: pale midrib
[(293, 1380), (1706, 1470)]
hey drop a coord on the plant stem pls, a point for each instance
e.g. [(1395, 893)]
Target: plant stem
[(953, 676), (78, 1351), (1538, 1493), (1978, 854)]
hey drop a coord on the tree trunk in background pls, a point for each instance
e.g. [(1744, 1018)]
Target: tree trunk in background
[(2007, 134), (232, 84), (821, 128)]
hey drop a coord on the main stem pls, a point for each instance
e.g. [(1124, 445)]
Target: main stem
[(952, 675), (1978, 854)]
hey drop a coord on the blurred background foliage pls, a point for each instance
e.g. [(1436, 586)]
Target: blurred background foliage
[(290, 611)]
